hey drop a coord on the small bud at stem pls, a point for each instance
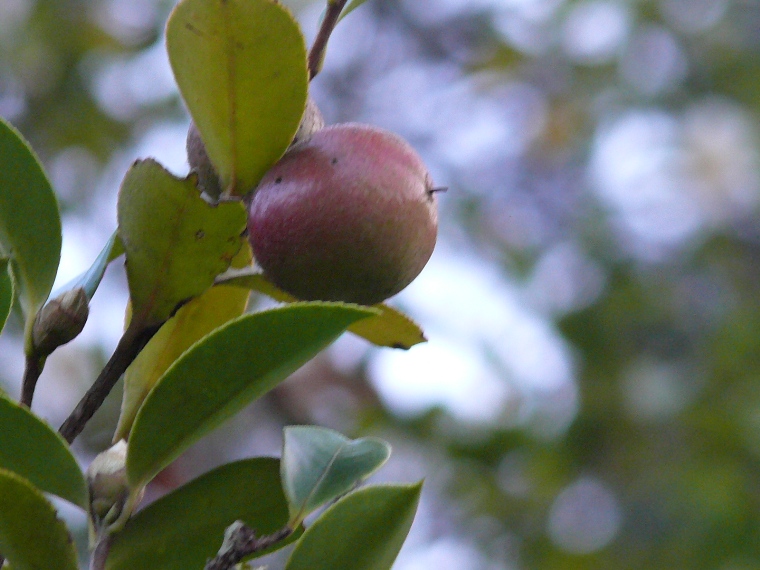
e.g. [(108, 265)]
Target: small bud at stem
[(60, 321)]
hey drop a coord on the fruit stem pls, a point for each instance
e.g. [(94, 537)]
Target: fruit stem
[(436, 190), (317, 53)]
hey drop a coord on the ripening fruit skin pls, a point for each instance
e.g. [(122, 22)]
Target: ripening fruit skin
[(348, 215)]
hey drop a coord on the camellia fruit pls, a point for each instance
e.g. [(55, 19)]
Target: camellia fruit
[(348, 215)]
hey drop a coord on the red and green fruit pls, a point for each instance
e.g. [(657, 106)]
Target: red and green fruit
[(350, 214)]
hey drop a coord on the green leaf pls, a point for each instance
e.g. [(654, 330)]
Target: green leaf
[(185, 528), (350, 7), (90, 279), (223, 372), (319, 465), (241, 68), (192, 322), (31, 535), (30, 448), (175, 242), (363, 531), (30, 226), (390, 327), (6, 291)]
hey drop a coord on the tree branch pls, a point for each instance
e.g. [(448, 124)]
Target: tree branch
[(317, 53), (130, 345), (34, 365), (240, 541)]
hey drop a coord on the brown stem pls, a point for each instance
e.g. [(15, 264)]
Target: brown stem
[(240, 541), (34, 365), (132, 342), (317, 53)]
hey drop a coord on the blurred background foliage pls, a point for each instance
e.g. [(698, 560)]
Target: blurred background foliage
[(590, 395)]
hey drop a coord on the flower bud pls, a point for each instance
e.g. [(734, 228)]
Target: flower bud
[(60, 320), (107, 480)]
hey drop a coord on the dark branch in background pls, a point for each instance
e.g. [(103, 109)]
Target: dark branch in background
[(240, 541), (317, 53), (130, 345)]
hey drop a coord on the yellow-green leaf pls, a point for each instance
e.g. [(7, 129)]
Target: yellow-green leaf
[(192, 322), (241, 68), (390, 327), (175, 242)]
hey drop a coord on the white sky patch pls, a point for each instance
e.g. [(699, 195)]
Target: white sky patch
[(667, 177), (122, 86), (440, 373), (444, 554), (594, 31), (165, 142), (487, 351), (638, 167)]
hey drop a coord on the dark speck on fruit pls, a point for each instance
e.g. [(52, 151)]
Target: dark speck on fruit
[(278, 180)]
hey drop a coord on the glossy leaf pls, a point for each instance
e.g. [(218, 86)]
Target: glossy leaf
[(31, 535), (192, 322), (175, 242), (241, 68), (362, 531), (30, 226), (319, 465), (6, 291), (185, 528), (30, 448), (223, 372), (390, 327), (90, 279)]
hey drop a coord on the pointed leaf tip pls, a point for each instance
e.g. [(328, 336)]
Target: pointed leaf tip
[(319, 465)]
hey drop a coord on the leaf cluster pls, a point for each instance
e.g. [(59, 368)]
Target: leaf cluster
[(191, 354)]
